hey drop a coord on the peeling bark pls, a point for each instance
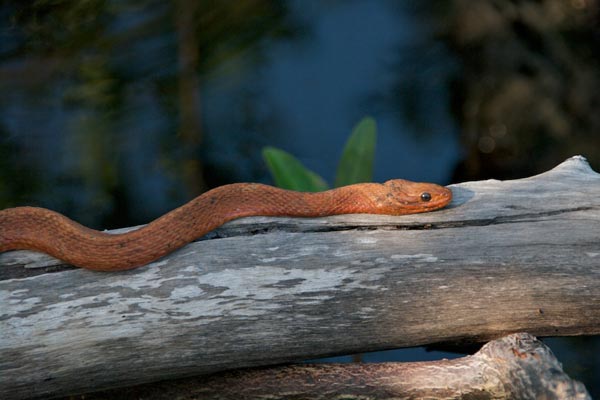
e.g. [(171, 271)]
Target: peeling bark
[(517, 366)]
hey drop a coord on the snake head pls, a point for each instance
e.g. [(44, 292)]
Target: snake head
[(406, 197)]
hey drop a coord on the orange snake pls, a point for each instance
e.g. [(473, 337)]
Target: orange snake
[(52, 233)]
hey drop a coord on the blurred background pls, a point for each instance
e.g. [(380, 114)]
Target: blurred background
[(116, 111)]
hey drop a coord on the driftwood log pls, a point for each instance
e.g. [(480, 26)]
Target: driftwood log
[(517, 366), (510, 256)]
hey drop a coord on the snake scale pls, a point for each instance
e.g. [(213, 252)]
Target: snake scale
[(52, 233)]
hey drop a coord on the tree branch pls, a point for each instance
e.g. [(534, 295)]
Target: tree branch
[(517, 366)]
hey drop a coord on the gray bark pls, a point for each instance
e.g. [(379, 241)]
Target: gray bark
[(510, 256), (517, 366)]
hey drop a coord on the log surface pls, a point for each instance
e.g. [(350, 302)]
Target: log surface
[(506, 256), (517, 366)]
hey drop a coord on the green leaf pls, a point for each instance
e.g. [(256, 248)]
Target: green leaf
[(289, 173), (356, 163)]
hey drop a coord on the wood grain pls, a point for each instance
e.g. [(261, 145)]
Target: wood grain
[(521, 255), (517, 366)]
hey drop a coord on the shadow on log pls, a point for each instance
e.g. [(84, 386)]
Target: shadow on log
[(517, 366), (511, 256)]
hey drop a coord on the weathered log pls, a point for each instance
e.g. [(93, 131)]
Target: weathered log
[(517, 366), (510, 256)]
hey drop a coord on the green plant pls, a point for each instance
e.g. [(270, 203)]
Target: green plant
[(355, 165)]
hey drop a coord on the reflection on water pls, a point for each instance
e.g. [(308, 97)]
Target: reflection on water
[(104, 99), (120, 120), (114, 112)]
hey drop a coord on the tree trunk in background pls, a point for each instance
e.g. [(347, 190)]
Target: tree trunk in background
[(190, 122)]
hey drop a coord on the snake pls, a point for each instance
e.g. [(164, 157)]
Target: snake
[(43, 230)]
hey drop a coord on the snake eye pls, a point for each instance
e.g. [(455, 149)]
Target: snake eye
[(425, 196)]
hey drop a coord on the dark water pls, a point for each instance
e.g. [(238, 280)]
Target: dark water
[(100, 140), (92, 122)]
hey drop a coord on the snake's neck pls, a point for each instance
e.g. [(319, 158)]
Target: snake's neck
[(252, 199)]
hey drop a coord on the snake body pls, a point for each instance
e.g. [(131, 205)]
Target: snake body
[(52, 233)]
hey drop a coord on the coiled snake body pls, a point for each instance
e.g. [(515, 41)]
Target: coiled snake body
[(52, 233)]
